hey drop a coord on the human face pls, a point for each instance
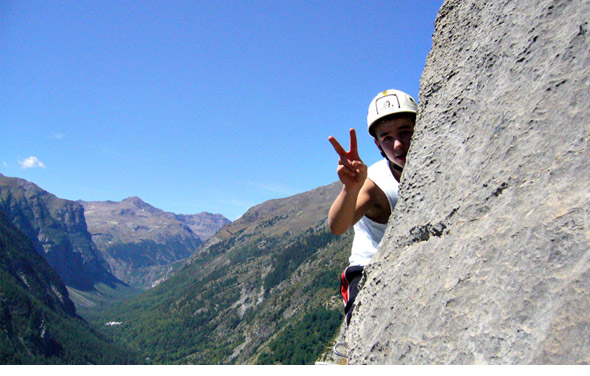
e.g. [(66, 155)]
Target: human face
[(393, 136)]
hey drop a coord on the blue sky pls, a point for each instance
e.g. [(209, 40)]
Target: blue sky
[(197, 105)]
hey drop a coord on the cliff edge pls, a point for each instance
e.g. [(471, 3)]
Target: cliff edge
[(486, 259)]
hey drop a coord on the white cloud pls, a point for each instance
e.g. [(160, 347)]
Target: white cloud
[(31, 162)]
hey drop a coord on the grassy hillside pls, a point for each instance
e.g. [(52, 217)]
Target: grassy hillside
[(264, 290)]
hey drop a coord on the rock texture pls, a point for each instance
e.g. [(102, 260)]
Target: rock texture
[(58, 230), (21, 265), (487, 258)]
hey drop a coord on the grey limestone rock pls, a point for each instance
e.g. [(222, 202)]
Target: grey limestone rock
[(486, 259)]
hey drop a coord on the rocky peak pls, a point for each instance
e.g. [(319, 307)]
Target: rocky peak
[(135, 238), (138, 203), (204, 224)]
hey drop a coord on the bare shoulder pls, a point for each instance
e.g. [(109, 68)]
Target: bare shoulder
[(377, 207)]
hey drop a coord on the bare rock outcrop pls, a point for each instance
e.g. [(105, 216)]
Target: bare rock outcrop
[(59, 233), (487, 256)]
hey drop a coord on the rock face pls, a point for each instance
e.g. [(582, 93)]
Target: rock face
[(38, 321), (58, 231), (204, 224), (486, 258), (20, 264)]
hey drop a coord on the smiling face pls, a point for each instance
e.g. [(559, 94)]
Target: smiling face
[(393, 135)]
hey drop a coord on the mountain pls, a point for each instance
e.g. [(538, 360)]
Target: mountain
[(22, 264), (204, 224), (140, 242), (264, 289), (58, 231), (38, 321), (486, 259)]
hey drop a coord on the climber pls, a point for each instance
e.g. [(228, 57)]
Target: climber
[(369, 195)]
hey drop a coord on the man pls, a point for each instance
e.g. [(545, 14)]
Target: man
[(369, 195)]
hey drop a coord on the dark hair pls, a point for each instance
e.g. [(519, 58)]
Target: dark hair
[(390, 117), (386, 118)]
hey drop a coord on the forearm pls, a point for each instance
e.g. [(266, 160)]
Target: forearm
[(342, 213)]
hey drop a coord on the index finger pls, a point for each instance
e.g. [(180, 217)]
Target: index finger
[(339, 149)]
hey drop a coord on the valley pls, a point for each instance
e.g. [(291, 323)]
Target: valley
[(198, 289)]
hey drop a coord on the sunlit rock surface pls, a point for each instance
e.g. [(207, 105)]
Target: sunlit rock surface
[(486, 258)]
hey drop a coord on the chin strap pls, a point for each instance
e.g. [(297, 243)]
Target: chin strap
[(396, 167)]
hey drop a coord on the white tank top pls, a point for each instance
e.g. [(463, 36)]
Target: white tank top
[(368, 233)]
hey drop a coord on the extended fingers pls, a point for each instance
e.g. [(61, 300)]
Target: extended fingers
[(339, 149), (344, 157), (347, 158), (353, 144)]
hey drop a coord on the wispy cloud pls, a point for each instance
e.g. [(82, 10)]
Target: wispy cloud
[(31, 162), (58, 136)]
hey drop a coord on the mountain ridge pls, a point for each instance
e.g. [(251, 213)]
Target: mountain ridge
[(58, 230), (140, 241), (264, 274)]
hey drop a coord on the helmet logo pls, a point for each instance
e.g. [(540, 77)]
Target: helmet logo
[(384, 104), (389, 102)]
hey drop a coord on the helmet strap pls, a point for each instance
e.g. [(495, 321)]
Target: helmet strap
[(395, 170), (396, 167)]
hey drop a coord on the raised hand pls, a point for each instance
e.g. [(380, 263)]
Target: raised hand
[(351, 169)]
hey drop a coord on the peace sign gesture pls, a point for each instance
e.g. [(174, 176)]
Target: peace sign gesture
[(351, 169)]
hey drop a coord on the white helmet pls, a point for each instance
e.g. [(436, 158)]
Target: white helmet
[(389, 102)]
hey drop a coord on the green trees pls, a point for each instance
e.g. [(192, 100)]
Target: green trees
[(38, 322), (303, 341), (289, 259)]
